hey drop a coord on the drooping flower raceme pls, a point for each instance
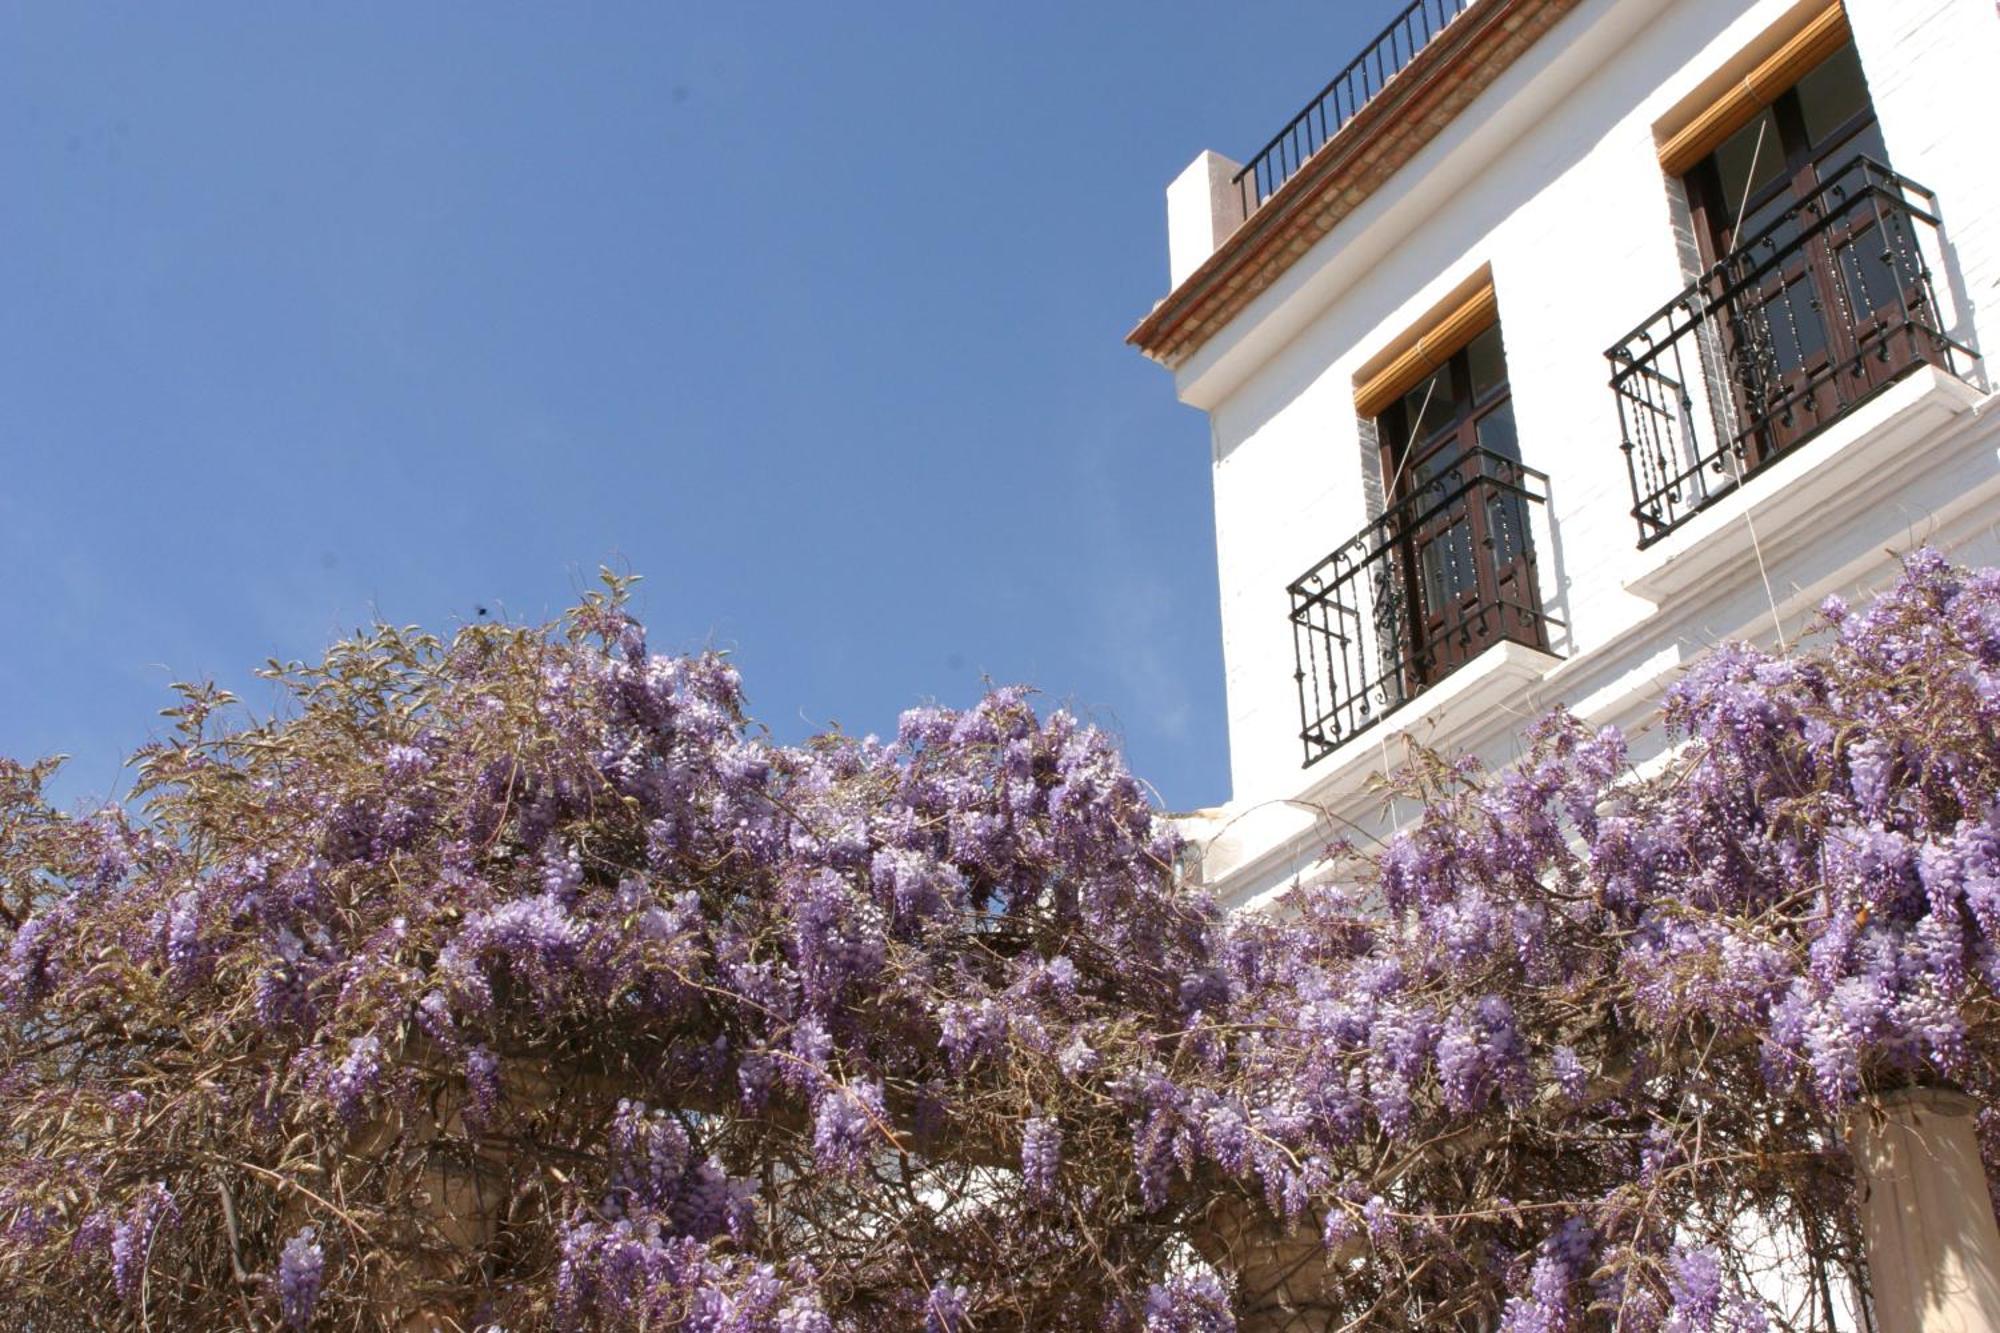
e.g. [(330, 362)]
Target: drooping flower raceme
[(301, 1268), (521, 981)]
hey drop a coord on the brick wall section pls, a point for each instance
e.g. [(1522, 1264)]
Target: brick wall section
[(1371, 468), (1423, 98)]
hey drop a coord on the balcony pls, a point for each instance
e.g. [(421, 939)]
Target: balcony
[(1817, 313), (1350, 90), (1444, 574)]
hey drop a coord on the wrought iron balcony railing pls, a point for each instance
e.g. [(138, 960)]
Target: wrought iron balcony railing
[(1351, 89), (1443, 574), (1818, 311)]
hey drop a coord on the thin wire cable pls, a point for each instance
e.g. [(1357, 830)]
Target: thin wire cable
[(1414, 438), (1734, 453)]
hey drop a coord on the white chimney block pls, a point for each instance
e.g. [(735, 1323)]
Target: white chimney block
[(1204, 205)]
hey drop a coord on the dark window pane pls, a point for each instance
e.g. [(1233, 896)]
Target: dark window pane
[(1389, 428), (1864, 142), (1795, 327), (1782, 330), (1766, 230), (1432, 562), (1448, 568), (1880, 269), (1749, 160), (1431, 404), (1808, 313), (1438, 470), (1833, 94), (1488, 364), (1506, 526), (1496, 432)]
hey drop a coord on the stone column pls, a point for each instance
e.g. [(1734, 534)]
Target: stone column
[(1933, 1247)]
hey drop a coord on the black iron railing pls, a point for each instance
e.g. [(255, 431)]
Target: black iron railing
[(1443, 574), (1819, 310), (1350, 90)]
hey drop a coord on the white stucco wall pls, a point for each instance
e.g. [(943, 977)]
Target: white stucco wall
[(1552, 180)]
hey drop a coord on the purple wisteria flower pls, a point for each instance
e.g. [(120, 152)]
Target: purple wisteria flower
[(1190, 1303), (848, 1126), (357, 1078), (301, 1269), (1041, 1157), (739, 1035), (944, 1310)]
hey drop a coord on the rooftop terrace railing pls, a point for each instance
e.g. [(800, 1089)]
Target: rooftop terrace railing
[(1351, 89), (1820, 310)]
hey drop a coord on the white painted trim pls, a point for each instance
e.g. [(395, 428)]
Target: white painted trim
[(1465, 708), (1821, 483)]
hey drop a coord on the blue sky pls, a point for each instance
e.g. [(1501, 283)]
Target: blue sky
[(812, 314)]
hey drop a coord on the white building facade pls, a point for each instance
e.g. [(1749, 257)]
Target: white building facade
[(1556, 341), (1559, 340)]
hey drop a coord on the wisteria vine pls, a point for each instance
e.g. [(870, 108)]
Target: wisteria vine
[(519, 981)]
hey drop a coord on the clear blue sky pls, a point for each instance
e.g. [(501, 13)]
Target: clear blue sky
[(813, 314)]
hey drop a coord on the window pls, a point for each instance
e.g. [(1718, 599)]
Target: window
[(1814, 280), (1447, 569), (1813, 292), (1451, 460), (1800, 142)]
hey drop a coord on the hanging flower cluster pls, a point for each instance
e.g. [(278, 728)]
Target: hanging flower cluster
[(519, 982)]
